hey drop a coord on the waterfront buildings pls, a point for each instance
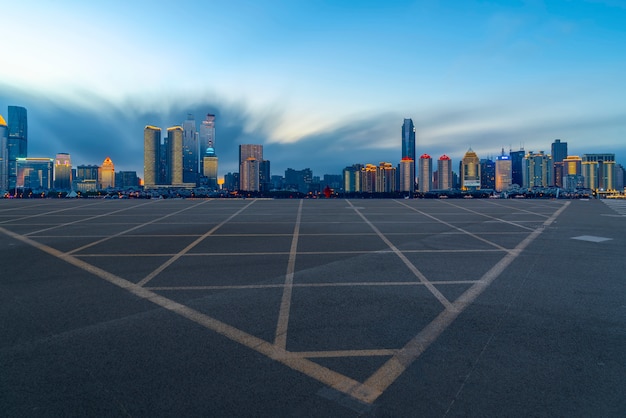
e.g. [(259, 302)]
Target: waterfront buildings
[(151, 156), (444, 173), (425, 176), (63, 171), (487, 174), (106, 174), (35, 174), (599, 171), (174, 150), (517, 167), (470, 171), (572, 173), (407, 175), (559, 153), (503, 173), (537, 170), (190, 150), (408, 139)]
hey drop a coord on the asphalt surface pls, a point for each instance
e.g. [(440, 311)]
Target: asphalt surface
[(312, 308)]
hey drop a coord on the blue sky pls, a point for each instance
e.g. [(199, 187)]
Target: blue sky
[(322, 84)]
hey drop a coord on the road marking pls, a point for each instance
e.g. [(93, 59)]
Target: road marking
[(46, 213), (395, 366), (190, 246), (280, 339), (75, 250), (444, 301), (591, 238), (493, 217)]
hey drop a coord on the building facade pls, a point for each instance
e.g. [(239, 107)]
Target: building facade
[(35, 174), (599, 171), (408, 139), (4, 156), (444, 173), (425, 175), (106, 174), (17, 141), (559, 153), (190, 150), (470, 171), (503, 173), (151, 156), (407, 175), (537, 170), (63, 171)]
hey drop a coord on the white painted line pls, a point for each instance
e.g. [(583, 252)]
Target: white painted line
[(280, 339), (190, 246), (591, 238), (492, 217), (44, 214), (444, 301)]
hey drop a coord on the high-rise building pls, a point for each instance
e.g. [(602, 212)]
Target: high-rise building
[(265, 180), (503, 172), (444, 173), (425, 176), (87, 172), (517, 167), (537, 169), (190, 150), (249, 175), (599, 171), (17, 140), (559, 153), (407, 175), (207, 134), (368, 178), (209, 168), (175, 155), (572, 173), (299, 180), (4, 154), (470, 171), (35, 174), (487, 174), (619, 177), (126, 179), (408, 139), (63, 172), (151, 156), (352, 178), (106, 174), (247, 151), (385, 178)]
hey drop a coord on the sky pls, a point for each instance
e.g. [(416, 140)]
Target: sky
[(321, 84)]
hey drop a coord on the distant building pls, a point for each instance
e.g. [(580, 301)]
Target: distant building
[(249, 175), (231, 181), (517, 167), (265, 183), (425, 176), (503, 173), (385, 178), (106, 174), (334, 181), (572, 173), (151, 156), (174, 142), (407, 175), (408, 139), (352, 178), (207, 134), (190, 150), (87, 172), (17, 141), (444, 173), (246, 152), (209, 168), (35, 174), (559, 153), (4, 155), (599, 171), (537, 170), (470, 171), (619, 177), (368, 178), (126, 180), (299, 180), (63, 172)]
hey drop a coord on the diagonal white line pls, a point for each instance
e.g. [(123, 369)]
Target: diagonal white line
[(445, 302), (495, 218), (285, 304), (46, 213), (190, 246), (91, 244)]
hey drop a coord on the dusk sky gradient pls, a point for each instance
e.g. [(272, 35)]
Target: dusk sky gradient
[(321, 84)]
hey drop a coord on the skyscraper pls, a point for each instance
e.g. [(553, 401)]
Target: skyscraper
[(63, 172), (35, 174), (385, 178), (599, 171), (190, 150), (537, 169), (247, 152), (4, 161), (175, 155), (407, 175), (559, 153), (209, 168), (106, 174), (517, 167), (503, 172), (352, 178), (572, 172), (425, 181), (207, 134), (444, 170), (487, 174), (17, 140), (151, 155), (470, 171), (408, 139)]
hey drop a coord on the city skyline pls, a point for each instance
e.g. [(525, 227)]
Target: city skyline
[(321, 86)]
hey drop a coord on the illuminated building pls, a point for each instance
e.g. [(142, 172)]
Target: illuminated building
[(190, 150), (174, 147), (151, 155), (4, 160), (87, 172), (537, 170), (517, 167), (559, 153), (425, 176), (470, 171), (255, 152), (487, 174), (408, 139), (599, 171), (444, 173), (209, 168), (63, 171), (35, 174), (207, 134), (407, 175), (17, 141), (249, 175), (106, 174), (299, 180), (352, 178), (503, 172), (385, 178), (572, 173), (368, 178), (126, 179)]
